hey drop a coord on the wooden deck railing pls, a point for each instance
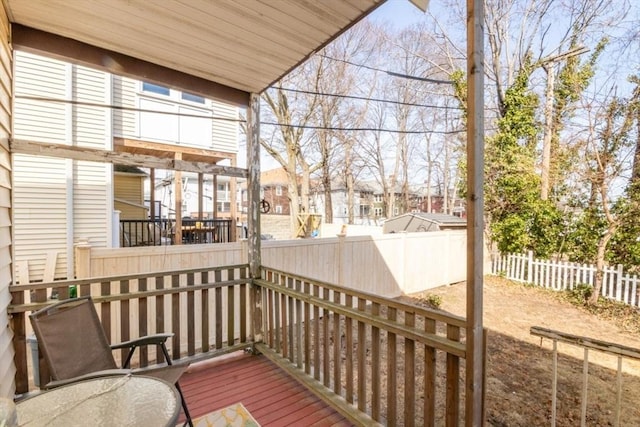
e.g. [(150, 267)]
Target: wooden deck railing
[(205, 308), (373, 358)]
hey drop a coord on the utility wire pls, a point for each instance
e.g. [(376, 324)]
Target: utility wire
[(408, 132), (118, 107), (391, 73), (123, 108), (308, 92)]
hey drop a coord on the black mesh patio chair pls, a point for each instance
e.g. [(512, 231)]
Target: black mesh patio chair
[(75, 347)]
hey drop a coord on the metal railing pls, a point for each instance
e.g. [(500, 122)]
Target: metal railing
[(586, 344), (157, 232)]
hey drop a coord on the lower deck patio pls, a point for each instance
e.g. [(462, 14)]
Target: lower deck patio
[(271, 396), (328, 355)]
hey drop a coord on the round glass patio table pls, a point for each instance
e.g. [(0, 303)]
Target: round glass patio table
[(107, 401)]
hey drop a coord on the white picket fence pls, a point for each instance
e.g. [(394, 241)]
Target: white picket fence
[(561, 275)]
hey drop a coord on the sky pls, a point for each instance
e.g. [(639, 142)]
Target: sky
[(398, 14)]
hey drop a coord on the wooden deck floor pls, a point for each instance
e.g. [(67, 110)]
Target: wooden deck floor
[(271, 396)]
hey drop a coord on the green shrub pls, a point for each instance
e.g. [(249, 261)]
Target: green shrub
[(580, 294)]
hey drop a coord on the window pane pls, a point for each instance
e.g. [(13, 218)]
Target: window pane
[(150, 87), (193, 98)]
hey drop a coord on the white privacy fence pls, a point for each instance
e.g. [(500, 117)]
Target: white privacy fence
[(562, 275)]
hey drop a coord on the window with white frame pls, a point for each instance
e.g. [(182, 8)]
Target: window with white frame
[(377, 198), (278, 209), (377, 211), (278, 190)]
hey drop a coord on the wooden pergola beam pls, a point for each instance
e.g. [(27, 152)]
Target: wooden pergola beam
[(105, 156), (165, 150), (65, 49)]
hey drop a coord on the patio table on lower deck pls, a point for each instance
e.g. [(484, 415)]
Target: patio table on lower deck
[(115, 400)]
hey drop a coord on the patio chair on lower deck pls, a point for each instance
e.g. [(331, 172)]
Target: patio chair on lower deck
[(75, 347)]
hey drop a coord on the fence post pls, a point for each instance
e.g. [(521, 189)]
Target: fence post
[(83, 260), (115, 229), (530, 268), (619, 283), (341, 263)]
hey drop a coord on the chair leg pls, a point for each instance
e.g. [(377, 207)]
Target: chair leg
[(189, 421), (184, 402)]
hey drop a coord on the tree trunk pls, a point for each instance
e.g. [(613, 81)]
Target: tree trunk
[(600, 264), (326, 186), (548, 133), (349, 182)]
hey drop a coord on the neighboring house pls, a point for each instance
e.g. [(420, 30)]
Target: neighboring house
[(128, 192), (274, 189), (422, 221), (218, 192), (59, 203), (376, 195), (362, 203)]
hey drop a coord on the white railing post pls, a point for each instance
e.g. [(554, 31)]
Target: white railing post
[(115, 230), (530, 268)]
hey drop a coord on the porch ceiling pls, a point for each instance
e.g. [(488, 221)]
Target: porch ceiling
[(242, 44)]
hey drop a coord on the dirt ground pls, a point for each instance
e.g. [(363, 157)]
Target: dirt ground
[(519, 365)]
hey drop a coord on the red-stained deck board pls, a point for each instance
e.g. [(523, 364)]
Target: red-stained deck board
[(271, 396)]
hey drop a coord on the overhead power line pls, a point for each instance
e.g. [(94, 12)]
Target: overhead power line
[(118, 107), (364, 98), (123, 108), (392, 73), (366, 129)]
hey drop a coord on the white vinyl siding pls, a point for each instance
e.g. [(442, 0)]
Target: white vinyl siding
[(124, 95), (90, 196), (43, 78), (40, 183), (91, 180), (7, 367), (90, 123), (59, 202), (225, 133), (40, 212)]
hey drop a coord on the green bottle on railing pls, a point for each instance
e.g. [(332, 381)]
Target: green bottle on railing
[(73, 292)]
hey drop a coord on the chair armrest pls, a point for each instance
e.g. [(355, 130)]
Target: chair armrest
[(156, 339), (169, 373), (89, 376)]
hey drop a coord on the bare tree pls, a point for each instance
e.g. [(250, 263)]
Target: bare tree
[(608, 148), (286, 144)]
